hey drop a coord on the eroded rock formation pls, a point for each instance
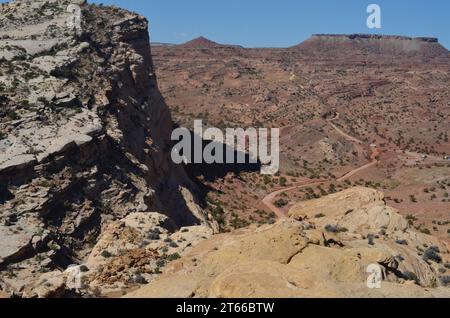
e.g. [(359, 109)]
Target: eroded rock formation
[(84, 137), (314, 256)]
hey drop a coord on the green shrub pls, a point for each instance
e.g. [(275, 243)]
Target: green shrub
[(106, 254), (173, 257), (432, 254), (335, 229), (280, 203), (401, 242), (445, 281), (411, 277), (425, 231)]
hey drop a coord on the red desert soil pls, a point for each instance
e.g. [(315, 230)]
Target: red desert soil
[(270, 198), (393, 92)]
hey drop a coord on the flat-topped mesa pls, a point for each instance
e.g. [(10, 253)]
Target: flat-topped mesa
[(377, 37), (344, 45)]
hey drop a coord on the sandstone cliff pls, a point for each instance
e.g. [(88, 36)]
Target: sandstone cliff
[(84, 136)]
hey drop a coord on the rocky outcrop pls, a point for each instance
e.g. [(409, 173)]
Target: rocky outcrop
[(360, 210), (84, 135), (134, 250), (305, 258)]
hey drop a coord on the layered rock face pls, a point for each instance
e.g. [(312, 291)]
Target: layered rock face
[(84, 136), (313, 256)]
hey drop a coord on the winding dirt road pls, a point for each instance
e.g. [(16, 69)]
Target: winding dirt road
[(268, 200)]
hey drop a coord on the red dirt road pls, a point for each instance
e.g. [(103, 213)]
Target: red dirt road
[(268, 200)]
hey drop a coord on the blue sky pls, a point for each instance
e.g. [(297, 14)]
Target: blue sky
[(256, 23)]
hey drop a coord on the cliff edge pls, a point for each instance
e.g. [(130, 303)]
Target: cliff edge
[(84, 137)]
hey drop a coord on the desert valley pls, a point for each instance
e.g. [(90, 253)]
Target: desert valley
[(353, 110), (91, 204)]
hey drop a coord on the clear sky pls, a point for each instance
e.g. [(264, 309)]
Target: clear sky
[(281, 23)]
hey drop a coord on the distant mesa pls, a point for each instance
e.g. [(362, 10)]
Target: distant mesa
[(338, 44), (161, 44), (376, 37), (200, 42), (204, 43)]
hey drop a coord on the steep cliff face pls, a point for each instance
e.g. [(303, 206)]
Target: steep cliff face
[(84, 135)]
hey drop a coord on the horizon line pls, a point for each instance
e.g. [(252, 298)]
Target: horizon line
[(405, 37)]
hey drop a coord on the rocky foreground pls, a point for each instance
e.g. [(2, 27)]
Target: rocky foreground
[(324, 250)]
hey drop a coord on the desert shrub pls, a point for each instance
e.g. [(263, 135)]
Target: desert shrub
[(138, 279), (173, 245), (411, 276), (153, 236), (319, 215), (425, 231), (432, 254), (218, 214), (173, 257), (371, 239), (106, 254), (445, 281), (12, 115), (335, 229), (281, 203), (401, 242), (84, 269), (331, 228), (160, 263)]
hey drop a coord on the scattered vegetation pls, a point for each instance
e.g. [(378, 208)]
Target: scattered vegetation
[(335, 229), (106, 254), (432, 254)]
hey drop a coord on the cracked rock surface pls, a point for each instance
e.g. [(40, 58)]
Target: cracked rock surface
[(294, 258)]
